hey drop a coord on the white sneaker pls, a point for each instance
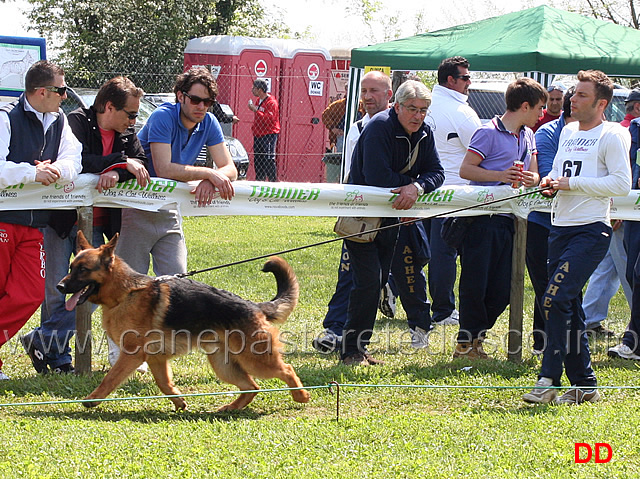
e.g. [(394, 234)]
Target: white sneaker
[(542, 393), (387, 303), (622, 351), (3, 376), (452, 320), (114, 354), (327, 342), (419, 338)]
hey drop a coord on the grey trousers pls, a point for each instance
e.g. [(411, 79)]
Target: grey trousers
[(158, 233)]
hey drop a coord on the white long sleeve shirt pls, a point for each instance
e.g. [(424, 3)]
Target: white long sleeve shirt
[(69, 161), (597, 165)]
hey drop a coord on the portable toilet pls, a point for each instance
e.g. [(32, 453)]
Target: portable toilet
[(304, 92), (288, 67)]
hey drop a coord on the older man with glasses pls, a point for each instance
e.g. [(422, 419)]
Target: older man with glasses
[(396, 150), (36, 146)]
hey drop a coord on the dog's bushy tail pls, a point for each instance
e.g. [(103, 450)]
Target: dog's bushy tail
[(280, 307)]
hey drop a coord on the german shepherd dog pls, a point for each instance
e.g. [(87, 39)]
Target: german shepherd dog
[(155, 319)]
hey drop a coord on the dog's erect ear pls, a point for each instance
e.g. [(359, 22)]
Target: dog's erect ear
[(110, 247), (82, 242)]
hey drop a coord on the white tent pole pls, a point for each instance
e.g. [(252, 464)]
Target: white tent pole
[(353, 98)]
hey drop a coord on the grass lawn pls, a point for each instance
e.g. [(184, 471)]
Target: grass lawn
[(384, 431)]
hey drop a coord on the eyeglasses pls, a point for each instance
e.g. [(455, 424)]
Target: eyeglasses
[(413, 110), (131, 115), (196, 100), (60, 90), (554, 87), (463, 77)]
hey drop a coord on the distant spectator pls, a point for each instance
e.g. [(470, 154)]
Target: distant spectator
[(266, 127), (554, 106), (333, 120), (632, 107)]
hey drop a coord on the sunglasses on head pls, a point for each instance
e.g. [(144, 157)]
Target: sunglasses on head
[(463, 77), (131, 115), (196, 100), (60, 90)]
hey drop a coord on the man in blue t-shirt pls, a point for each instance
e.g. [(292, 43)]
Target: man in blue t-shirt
[(172, 138)]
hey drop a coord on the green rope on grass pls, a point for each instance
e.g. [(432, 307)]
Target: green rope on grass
[(327, 386)]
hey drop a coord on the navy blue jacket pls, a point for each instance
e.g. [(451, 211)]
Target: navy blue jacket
[(384, 149), (29, 143)]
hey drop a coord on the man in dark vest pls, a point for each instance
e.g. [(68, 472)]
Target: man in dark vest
[(36, 146), (111, 150)]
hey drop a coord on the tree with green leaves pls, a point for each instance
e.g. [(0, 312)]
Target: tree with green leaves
[(94, 40)]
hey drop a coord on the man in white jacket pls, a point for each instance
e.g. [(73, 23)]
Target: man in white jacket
[(453, 122), (590, 167)]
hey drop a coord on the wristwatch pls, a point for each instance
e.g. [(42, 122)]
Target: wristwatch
[(419, 187)]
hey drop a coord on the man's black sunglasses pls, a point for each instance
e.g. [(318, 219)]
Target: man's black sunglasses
[(463, 77), (60, 90), (131, 115), (196, 100)]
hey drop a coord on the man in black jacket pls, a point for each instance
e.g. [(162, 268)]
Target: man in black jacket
[(400, 155), (110, 149)]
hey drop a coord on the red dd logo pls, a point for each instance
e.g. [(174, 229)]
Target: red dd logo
[(599, 459)]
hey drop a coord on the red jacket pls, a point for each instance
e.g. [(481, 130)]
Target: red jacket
[(545, 118), (267, 117)]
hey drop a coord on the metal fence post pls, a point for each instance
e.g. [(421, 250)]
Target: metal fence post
[(516, 302), (83, 312)]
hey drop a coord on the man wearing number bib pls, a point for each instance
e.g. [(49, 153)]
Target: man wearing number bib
[(590, 167)]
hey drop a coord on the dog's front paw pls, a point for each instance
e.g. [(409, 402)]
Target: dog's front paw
[(90, 404), (180, 404), (301, 396), (227, 407)]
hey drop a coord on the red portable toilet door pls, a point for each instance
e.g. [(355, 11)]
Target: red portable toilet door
[(304, 97), (253, 64)]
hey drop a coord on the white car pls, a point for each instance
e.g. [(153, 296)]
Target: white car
[(487, 99)]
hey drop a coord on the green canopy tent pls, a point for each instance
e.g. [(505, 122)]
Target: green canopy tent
[(539, 42), (542, 39)]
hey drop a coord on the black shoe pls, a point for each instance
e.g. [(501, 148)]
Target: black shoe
[(35, 354), (601, 331), (64, 369)]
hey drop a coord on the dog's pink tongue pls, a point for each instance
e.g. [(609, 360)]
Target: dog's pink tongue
[(72, 301)]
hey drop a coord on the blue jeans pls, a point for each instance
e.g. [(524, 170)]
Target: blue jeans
[(264, 157), (442, 273), (605, 281), (574, 254), (57, 325)]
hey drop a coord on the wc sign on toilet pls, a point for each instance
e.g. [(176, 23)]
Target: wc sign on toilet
[(316, 87)]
